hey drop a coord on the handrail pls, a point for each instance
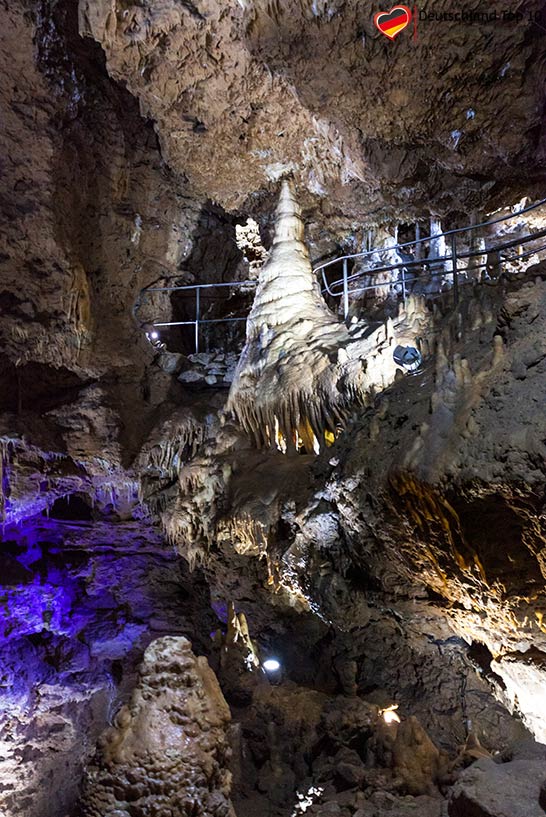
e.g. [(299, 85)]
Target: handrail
[(199, 286), (340, 287), (197, 321), (455, 231), (415, 278), (430, 262)]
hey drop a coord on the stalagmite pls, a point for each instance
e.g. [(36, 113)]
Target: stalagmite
[(167, 752), (302, 370)]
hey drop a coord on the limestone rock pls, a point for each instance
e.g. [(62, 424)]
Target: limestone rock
[(292, 388), (78, 639), (239, 669), (168, 751), (492, 789), (415, 758), (302, 86), (383, 804), (191, 376), (349, 767)]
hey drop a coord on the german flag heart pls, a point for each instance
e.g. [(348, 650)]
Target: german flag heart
[(391, 23)]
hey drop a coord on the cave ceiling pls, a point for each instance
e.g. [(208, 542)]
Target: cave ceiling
[(445, 119)]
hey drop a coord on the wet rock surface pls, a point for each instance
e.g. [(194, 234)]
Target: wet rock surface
[(403, 566), (167, 751)]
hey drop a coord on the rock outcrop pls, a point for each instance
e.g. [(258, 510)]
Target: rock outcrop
[(167, 753), (511, 788), (82, 598)]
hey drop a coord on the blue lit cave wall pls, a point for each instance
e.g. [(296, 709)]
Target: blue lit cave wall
[(81, 597)]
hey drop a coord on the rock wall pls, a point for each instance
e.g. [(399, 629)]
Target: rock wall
[(457, 457), (369, 569), (82, 599), (93, 214)]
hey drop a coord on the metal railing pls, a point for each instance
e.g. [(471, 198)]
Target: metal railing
[(198, 321), (341, 287)]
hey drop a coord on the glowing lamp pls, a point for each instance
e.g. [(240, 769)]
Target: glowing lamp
[(154, 335), (390, 715), (271, 665)]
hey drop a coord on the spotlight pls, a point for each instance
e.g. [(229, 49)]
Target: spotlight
[(408, 356), (154, 338), (390, 715), (271, 665)]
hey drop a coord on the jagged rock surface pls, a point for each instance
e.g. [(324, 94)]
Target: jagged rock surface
[(82, 599), (242, 92), (364, 570), (404, 502), (167, 753)]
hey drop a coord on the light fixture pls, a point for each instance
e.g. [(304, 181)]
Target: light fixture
[(390, 715), (271, 665), (154, 335), (407, 356)]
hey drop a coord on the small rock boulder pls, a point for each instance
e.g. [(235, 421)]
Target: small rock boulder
[(512, 789)]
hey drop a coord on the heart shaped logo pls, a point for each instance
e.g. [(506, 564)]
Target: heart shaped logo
[(391, 23)]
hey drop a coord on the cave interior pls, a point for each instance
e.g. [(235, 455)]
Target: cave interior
[(272, 419)]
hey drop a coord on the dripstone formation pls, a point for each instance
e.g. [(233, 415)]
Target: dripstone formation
[(301, 369), (167, 752), (354, 544)]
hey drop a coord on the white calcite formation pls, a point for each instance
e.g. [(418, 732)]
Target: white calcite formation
[(302, 369)]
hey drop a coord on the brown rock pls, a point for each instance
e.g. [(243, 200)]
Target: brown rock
[(489, 789), (168, 750), (415, 758)]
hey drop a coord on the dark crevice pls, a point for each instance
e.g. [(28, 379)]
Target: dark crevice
[(74, 507)]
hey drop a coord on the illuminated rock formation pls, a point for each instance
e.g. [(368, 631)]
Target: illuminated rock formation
[(81, 601), (302, 370), (415, 757), (167, 753), (407, 565), (239, 667)]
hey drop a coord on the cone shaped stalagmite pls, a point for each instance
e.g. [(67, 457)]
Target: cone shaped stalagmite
[(301, 369), (287, 290)]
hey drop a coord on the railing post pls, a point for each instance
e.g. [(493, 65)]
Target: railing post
[(197, 316), (345, 290), (404, 284), (455, 270)]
